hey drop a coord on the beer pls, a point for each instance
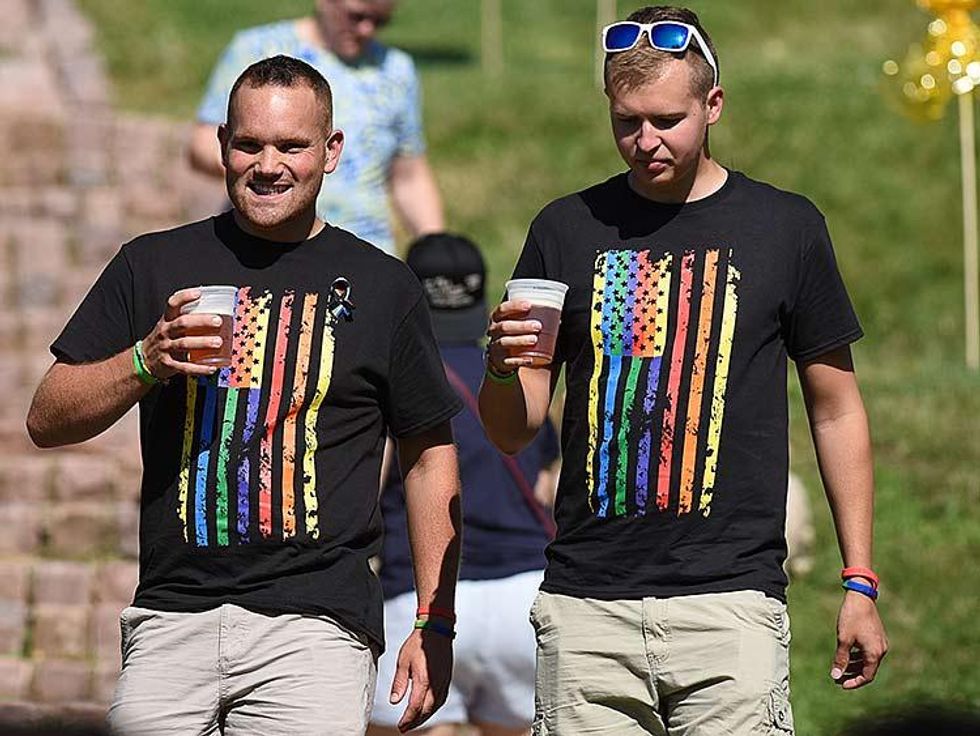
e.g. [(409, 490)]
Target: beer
[(220, 356), (547, 299), (218, 301), (543, 352)]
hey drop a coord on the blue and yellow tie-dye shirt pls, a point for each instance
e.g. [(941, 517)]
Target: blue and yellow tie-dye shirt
[(376, 104)]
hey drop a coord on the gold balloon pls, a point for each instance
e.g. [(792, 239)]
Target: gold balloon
[(945, 64)]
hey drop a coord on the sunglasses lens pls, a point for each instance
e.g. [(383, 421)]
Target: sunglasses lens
[(670, 37), (622, 36)]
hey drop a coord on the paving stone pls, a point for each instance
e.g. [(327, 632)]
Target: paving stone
[(23, 534), (84, 477), (34, 150), (15, 580), (40, 259), (81, 529), (104, 679), (60, 631), (127, 519), (58, 201), (115, 583), (39, 328), (13, 627), (26, 478), (10, 323), (63, 583), (15, 678), (105, 634), (61, 681)]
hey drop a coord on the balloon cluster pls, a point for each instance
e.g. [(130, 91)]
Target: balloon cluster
[(945, 64)]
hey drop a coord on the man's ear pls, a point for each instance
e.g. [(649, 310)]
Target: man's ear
[(333, 147), (223, 136), (714, 104)]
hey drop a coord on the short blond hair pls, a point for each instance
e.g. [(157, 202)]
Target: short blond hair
[(626, 71)]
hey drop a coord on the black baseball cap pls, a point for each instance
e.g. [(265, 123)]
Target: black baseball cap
[(453, 275)]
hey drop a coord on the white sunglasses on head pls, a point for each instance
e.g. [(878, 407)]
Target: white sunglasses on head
[(665, 35)]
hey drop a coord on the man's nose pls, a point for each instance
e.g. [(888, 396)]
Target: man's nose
[(269, 161), (648, 138)]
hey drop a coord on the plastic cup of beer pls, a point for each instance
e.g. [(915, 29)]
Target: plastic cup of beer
[(219, 301), (547, 299)]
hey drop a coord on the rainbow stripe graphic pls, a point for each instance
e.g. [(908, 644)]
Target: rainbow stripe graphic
[(232, 487), (658, 345)]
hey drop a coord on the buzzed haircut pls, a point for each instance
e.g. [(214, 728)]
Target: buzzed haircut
[(642, 64), (286, 71)]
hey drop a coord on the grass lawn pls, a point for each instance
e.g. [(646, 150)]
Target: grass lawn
[(803, 111)]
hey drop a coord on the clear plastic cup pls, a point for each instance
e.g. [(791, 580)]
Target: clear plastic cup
[(220, 301), (547, 299)]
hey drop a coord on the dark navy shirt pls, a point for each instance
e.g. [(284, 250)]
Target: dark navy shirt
[(501, 535)]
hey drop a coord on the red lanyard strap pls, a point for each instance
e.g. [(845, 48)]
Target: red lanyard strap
[(539, 511)]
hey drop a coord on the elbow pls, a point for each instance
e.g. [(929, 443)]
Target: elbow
[(40, 434)]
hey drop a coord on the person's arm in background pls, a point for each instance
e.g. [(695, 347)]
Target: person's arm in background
[(415, 195), (432, 503), (204, 150), (74, 403), (842, 440), (513, 413)]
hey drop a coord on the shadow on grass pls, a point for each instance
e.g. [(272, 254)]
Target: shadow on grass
[(429, 55)]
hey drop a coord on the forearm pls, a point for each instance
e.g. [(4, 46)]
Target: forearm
[(416, 197), (843, 447), (512, 414), (77, 402), (434, 524)]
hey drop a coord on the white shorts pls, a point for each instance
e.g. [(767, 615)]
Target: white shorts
[(493, 674)]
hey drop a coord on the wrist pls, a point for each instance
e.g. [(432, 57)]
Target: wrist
[(140, 367), (505, 375)]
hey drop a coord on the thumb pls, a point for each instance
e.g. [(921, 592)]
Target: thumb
[(841, 658)]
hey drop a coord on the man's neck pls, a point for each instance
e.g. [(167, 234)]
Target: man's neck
[(706, 179), (290, 232)]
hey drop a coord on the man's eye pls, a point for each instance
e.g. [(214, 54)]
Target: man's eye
[(248, 146), (665, 124)]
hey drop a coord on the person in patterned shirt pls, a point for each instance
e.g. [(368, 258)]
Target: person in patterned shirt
[(376, 100)]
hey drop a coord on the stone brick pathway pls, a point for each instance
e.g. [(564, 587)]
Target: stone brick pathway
[(76, 180)]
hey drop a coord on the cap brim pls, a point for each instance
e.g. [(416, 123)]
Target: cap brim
[(460, 325)]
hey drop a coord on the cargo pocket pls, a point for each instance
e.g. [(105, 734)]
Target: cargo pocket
[(779, 713)]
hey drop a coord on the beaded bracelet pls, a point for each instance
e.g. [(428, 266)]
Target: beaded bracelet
[(139, 365), (857, 587), (430, 625), (860, 572)]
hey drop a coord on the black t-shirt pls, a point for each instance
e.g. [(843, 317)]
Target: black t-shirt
[(501, 535), (260, 483), (674, 335)]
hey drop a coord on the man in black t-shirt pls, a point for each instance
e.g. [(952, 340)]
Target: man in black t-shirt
[(663, 605), (256, 610)]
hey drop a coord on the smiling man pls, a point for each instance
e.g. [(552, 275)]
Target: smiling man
[(377, 93), (256, 610), (663, 607)]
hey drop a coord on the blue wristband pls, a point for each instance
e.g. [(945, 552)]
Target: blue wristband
[(439, 628), (857, 587)]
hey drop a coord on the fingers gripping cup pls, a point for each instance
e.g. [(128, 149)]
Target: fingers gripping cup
[(220, 301), (547, 299)]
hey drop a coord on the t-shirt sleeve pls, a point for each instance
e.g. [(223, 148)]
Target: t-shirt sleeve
[(234, 59), (419, 395), (102, 325), (408, 124), (821, 318)]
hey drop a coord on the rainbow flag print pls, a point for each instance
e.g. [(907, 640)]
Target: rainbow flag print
[(239, 475), (659, 380)]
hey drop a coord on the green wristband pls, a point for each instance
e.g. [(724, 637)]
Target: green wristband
[(501, 379), (139, 364)]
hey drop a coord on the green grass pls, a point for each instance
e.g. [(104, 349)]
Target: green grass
[(804, 111)]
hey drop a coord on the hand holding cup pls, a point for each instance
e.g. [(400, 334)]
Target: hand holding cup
[(187, 341), (523, 330)]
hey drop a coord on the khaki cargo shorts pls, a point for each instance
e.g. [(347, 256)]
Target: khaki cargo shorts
[(700, 665)]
